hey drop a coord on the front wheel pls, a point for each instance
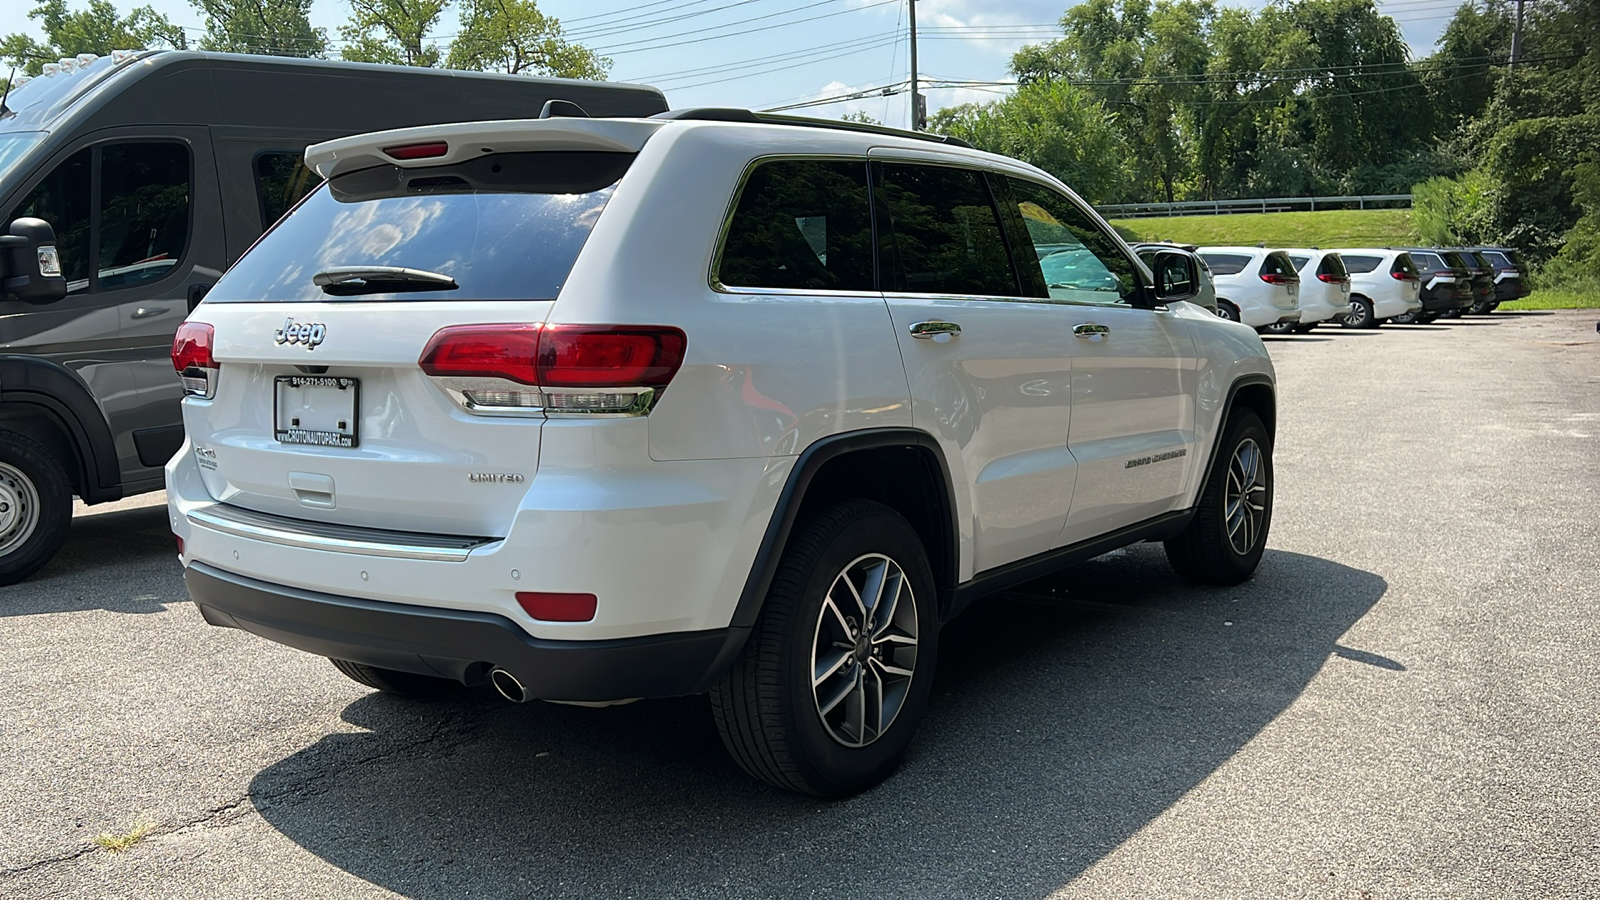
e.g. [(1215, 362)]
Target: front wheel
[(830, 687), (1224, 541), (35, 507)]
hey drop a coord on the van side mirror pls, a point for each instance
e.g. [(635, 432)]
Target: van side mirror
[(1177, 277), (30, 267)]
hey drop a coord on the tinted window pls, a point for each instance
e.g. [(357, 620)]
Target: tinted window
[(1299, 261), (1403, 263), (1078, 260), (1360, 265), (1455, 261), (801, 224), (1225, 263), (1428, 262), (506, 226), (1499, 260), (62, 199), (946, 233), (1277, 263), (281, 180), (1333, 264), (144, 211)]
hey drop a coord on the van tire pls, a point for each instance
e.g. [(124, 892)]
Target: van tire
[(35, 507), (768, 707), (1360, 315)]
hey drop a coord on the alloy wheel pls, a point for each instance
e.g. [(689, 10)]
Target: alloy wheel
[(864, 650), (1244, 498), (19, 508)]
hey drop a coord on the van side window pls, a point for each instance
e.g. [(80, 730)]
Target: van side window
[(802, 224), (1079, 261), (282, 179), (144, 211), (62, 199), (947, 233), (1361, 265)]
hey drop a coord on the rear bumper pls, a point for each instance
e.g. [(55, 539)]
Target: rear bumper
[(462, 645)]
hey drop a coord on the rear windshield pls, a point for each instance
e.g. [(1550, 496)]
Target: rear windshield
[(1277, 263), (1402, 263), (504, 227), (1225, 263), (1455, 261), (1333, 264), (1497, 259), (1361, 264)]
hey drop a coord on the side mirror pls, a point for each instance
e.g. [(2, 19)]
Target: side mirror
[(1177, 277), (30, 267)]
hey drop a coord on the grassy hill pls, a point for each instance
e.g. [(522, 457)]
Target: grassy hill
[(1329, 228)]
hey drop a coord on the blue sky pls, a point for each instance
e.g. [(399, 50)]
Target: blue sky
[(765, 53)]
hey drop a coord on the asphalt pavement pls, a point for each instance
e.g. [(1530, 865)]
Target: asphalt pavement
[(1404, 702)]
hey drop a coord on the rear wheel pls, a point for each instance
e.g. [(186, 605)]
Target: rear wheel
[(1224, 541), (1483, 309), (1451, 313), (1305, 328), (1280, 328), (391, 681), (830, 687), (35, 507), (1410, 318), (1227, 311), (1360, 315)]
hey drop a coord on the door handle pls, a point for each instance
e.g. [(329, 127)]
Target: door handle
[(145, 312), (1090, 330), (933, 328)]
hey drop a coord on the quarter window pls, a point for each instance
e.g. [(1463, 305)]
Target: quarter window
[(1077, 259), (282, 179), (801, 224), (947, 237), (1360, 265), (1225, 263)]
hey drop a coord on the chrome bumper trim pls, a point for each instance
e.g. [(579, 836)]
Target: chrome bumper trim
[(309, 535)]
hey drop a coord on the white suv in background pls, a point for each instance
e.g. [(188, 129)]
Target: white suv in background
[(1383, 284), (592, 410), (1324, 289), (1256, 286)]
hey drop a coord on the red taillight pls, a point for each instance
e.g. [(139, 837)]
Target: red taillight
[(586, 369), (191, 357), (1331, 279), (1275, 278), (609, 356), (418, 151), (484, 351), (180, 544), (558, 607)]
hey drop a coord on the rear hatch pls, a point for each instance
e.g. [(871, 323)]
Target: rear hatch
[(1278, 270), (1476, 278), (320, 408), (1507, 275)]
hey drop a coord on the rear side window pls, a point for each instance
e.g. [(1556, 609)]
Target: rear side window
[(1333, 265), (282, 179), (947, 237), (802, 224), (1225, 263), (1361, 265), (1498, 260), (1277, 263), (506, 226)]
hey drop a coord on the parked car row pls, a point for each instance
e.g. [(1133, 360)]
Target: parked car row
[(1293, 290)]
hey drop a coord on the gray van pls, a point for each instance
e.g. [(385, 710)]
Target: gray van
[(127, 185)]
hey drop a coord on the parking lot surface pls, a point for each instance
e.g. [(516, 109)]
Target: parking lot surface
[(1401, 703)]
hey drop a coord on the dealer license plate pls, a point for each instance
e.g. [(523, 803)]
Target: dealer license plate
[(319, 410)]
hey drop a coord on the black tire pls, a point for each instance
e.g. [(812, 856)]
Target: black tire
[(391, 681), (771, 718), (1482, 309), (1206, 552), (35, 507), (1306, 329), (1279, 328), (1360, 315), (1410, 318), (1227, 311), (1451, 313), (1426, 318)]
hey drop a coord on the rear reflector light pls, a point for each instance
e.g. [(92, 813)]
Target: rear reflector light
[(558, 607), (1274, 278), (180, 544), (191, 358), (1403, 276), (579, 369), (429, 150), (1332, 279)]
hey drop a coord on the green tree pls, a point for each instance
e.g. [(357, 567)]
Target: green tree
[(96, 29), (392, 31), (269, 27), (513, 36), (1462, 72)]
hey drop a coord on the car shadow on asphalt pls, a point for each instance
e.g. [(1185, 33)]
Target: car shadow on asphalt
[(1066, 715), (118, 548)]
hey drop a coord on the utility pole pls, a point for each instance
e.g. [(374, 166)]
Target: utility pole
[(919, 109), (1516, 37)]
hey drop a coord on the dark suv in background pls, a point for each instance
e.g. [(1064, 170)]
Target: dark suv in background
[(1509, 280), (1446, 284)]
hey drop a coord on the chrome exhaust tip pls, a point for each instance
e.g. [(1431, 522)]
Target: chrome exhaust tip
[(507, 685)]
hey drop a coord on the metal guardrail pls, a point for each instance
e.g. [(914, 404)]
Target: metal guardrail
[(1264, 204)]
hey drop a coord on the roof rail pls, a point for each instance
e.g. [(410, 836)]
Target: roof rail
[(733, 114)]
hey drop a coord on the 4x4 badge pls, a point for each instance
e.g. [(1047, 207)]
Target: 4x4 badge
[(308, 333)]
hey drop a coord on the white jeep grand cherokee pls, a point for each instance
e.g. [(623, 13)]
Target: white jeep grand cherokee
[(593, 410)]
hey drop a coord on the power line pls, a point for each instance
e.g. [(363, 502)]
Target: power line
[(617, 48), (610, 28), (761, 60), (882, 42)]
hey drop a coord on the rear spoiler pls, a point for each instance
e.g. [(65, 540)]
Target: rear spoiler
[(436, 145)]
